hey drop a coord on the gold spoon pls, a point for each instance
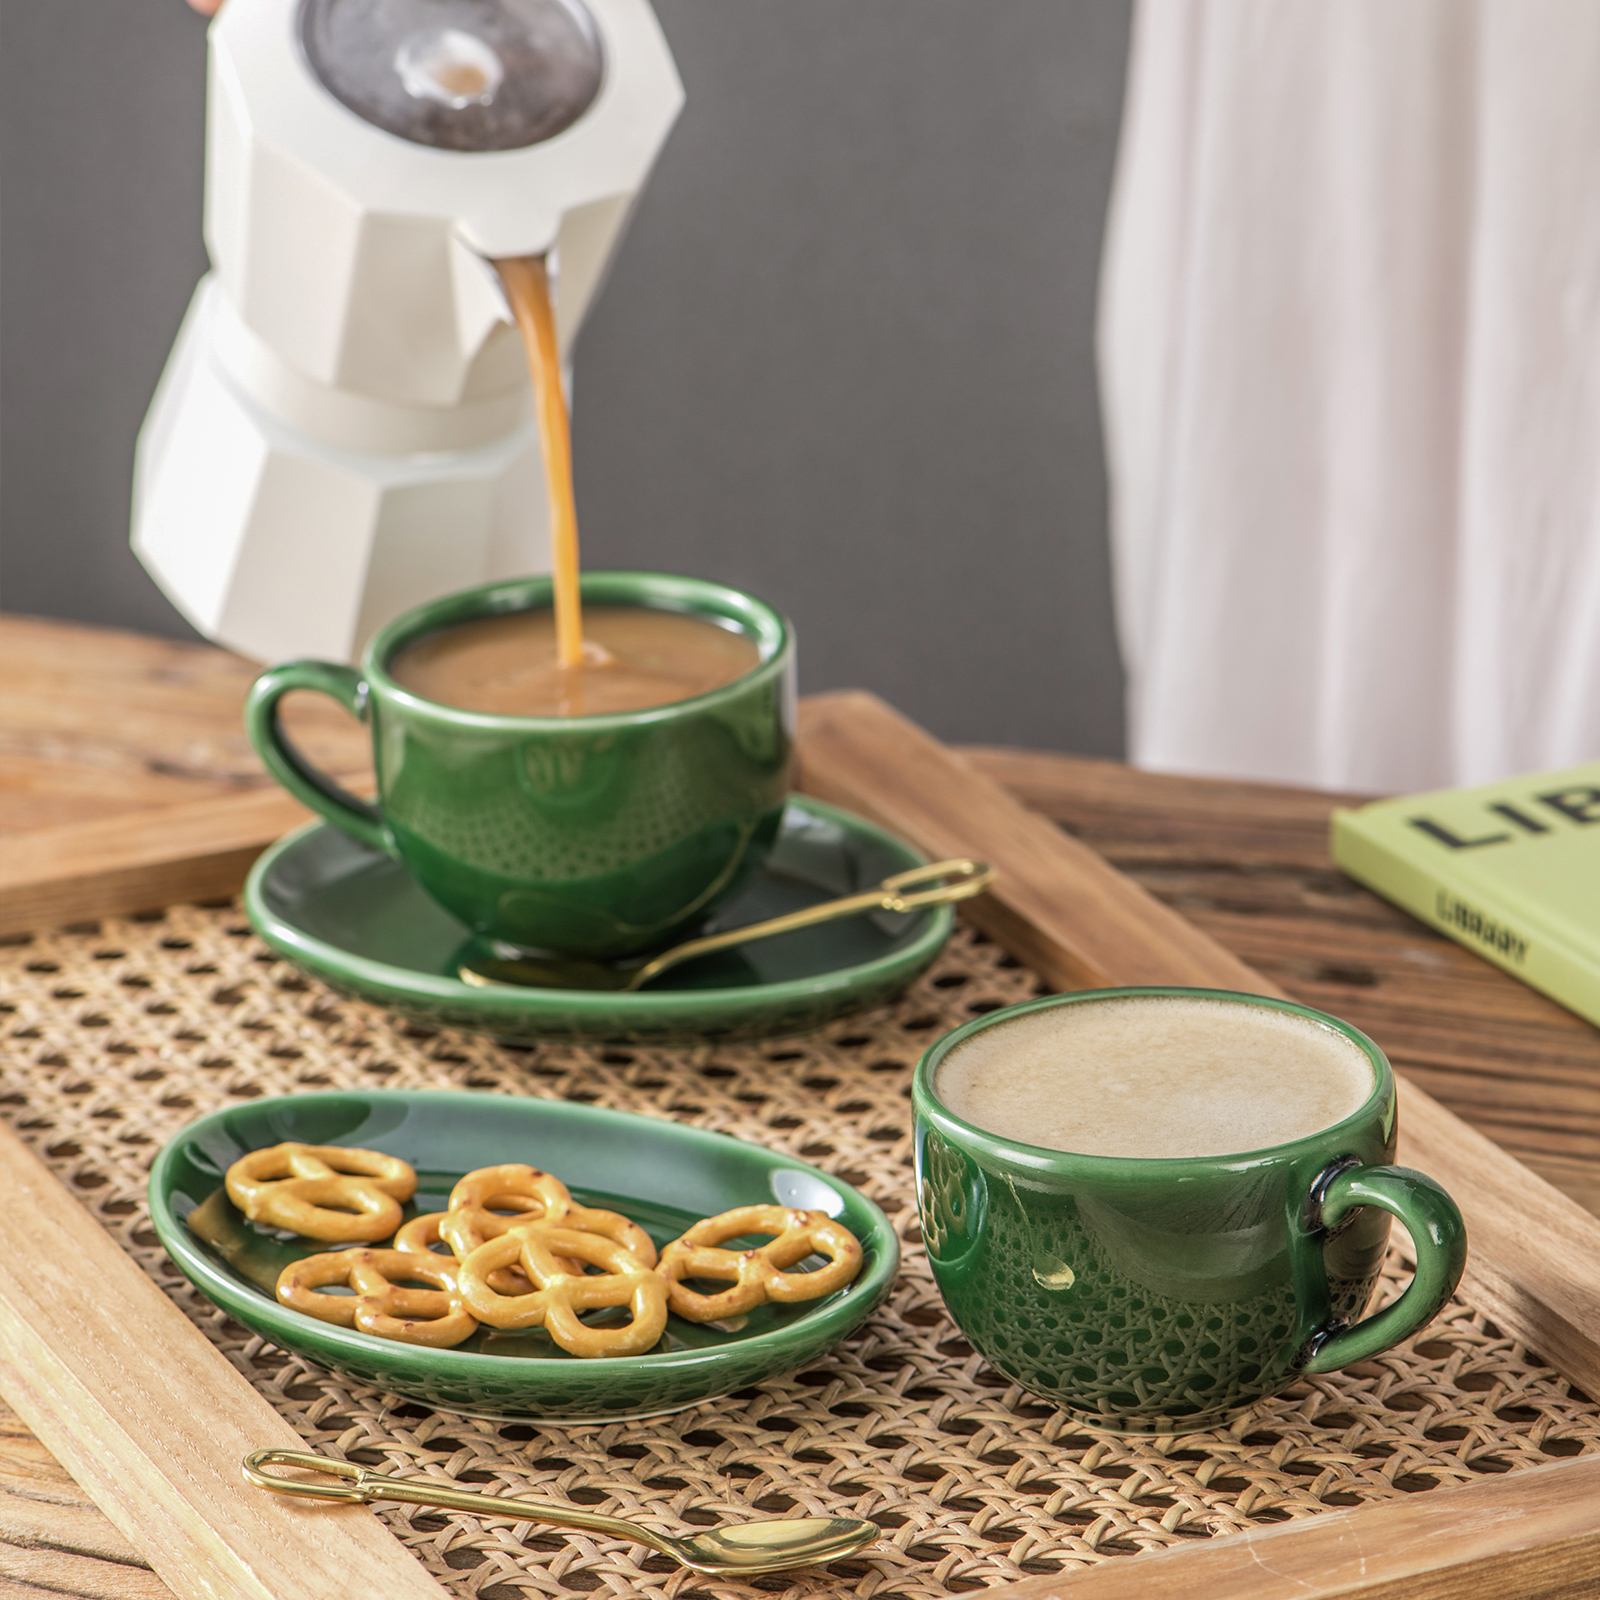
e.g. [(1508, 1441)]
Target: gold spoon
[(772, 1545), (896, 893)]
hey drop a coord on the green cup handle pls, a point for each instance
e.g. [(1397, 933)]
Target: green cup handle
[(1439, 1235), (360, 819)]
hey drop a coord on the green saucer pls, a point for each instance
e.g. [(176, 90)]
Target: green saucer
[(662, 1174), (354, 918)]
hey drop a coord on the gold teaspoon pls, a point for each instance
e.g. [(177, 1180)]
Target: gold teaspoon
[(964, 878), (750, 1547)]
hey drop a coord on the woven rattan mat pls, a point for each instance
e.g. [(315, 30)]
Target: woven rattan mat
[(118, 1035)]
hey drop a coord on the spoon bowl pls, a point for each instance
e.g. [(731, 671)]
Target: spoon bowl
[(775, 1545)]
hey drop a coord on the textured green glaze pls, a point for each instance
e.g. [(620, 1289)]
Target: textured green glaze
[(596, 836), (660, 1173), (1167, 1295), (355, 918)]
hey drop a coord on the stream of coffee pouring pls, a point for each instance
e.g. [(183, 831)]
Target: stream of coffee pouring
[(526, 280)]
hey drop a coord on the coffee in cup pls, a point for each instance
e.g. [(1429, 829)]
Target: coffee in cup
[(635, 658), (600, 835), (1154, 1207)]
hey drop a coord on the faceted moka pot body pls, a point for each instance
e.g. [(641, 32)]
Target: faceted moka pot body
[(344, 428)]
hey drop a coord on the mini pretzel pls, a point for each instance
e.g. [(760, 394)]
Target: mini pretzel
[(758, 1274), (421, 1234), (560, 1295), (323, 1191), (478, 1202), (379, 1306)]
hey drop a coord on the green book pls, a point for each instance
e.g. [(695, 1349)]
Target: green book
[(1511, 870)]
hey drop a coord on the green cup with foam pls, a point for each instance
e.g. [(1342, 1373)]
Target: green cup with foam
[(1155, 1206)]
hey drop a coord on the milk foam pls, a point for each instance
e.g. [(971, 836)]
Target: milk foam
[(1155, 1076)]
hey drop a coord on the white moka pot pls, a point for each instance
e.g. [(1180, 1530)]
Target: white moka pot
[(344, 427)]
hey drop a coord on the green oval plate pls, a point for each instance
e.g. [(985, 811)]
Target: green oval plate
[(667, 1177), (354, 918)]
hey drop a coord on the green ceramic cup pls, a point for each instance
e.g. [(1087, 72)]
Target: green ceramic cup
[(1164, 1296), (597, 836)]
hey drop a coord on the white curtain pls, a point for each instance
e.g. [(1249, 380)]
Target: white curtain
[(1350, 366)]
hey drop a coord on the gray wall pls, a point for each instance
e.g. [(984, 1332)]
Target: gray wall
[(844, 359)]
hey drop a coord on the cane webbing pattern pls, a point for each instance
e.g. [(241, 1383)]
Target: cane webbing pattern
[(119, 1034)]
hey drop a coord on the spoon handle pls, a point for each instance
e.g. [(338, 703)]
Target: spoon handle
[(957, 879), (357, 1483)]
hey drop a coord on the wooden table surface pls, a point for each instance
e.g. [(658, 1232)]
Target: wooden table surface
[(95, 723)]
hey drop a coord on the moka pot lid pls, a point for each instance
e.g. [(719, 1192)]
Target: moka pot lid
[(470, 75), (594, 103)]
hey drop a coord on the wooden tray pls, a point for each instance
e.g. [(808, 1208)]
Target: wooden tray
[(1076, 921)]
